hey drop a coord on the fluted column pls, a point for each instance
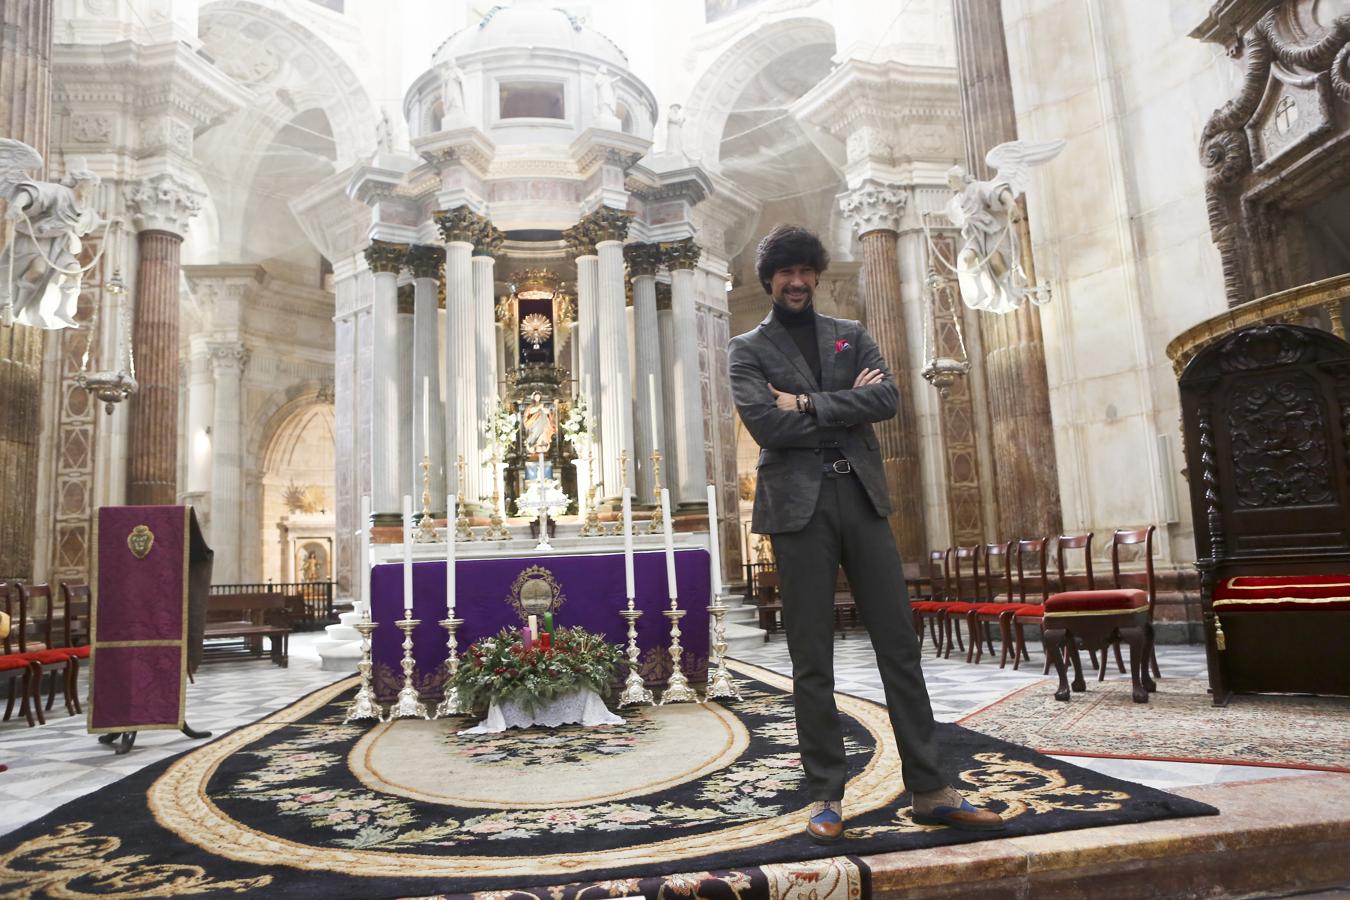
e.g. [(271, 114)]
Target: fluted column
[(426, 263), (1026, 477), (385, 260), (581, 242), (160, 207), (616, 424), (875, 209), (485, 331), (460, 229), (228, 359), (643, 260), (689, 478), (25, 87), (669, 412)]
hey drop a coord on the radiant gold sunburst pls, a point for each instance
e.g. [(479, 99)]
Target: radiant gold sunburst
[(536, 328)]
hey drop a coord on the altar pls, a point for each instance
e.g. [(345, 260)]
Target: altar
[(585, 589)]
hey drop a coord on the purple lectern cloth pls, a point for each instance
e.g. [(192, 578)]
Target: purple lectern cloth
[(593, 591), (142, 627)]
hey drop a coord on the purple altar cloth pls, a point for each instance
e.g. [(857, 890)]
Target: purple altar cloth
[(593, 591)]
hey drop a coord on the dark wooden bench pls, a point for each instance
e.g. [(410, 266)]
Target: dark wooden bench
[(251, 617)]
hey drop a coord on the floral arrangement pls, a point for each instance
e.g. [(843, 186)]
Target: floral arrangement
[(501, 429), (577, 426), (499, 668)]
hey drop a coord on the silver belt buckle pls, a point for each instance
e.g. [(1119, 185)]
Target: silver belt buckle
[(842, 467)]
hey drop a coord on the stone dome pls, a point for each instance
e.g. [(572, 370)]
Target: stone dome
[(530, 24)]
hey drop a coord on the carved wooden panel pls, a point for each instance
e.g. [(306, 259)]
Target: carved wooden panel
[(1279, 443)]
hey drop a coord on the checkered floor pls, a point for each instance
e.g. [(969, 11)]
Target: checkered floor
[(58, 762)]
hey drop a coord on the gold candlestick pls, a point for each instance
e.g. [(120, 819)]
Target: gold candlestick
[(655, 526), (426, 526), (635, 692), (617, 528), (721, 686), (408, 705), (450, 700), (677, 686), (364, 706), (496, 530), (462, 531)]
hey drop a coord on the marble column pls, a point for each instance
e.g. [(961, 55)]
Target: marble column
[(581, 242), (643, 261), (201, 407), (1026, 476), (228, 359), (25, 91), (385, 260), (160, 208), (426, 263), (688, 480), (874, 209), (616, 424), (489, 240), (670, 419), (460, 228)]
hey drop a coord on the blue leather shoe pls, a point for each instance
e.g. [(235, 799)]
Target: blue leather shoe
[(826, 825), (964, 817)]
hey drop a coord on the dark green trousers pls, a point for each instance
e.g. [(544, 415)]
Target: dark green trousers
[(846, 529)]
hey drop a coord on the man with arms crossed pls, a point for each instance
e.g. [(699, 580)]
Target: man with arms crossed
[(808, 387)]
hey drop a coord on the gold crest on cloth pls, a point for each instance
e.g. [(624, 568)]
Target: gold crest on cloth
[(140, 541), (535, 592)]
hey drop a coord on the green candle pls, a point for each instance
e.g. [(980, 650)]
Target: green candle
[(548, 622)]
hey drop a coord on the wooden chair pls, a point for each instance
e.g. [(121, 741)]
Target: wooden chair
[(15, 666), (1126, 537), (1266, 417), (1099, 618), (73, 636), (35, 640), (1066, 579), (968, 596), (767, 600), (1033, 588), (932, 609), (999, 605)]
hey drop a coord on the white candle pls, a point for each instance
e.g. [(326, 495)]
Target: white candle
[(714, 546), (365, 554), (452, 513), (426, 416), (670, 543), (534, 628), (407, 557), (628, 544), (651, 394)]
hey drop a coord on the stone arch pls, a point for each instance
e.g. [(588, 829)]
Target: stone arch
[(713, 96)]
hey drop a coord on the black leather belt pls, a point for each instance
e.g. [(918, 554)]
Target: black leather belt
[(838, 467)]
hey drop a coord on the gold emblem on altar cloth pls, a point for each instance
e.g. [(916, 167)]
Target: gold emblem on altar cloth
[(140, 541), (535, 592)]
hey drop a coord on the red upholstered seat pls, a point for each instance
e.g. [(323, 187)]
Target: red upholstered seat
[(961, 607), (77, 652), (1268, 593), (1101, 602), (1031, 609), (12, 662), (996, 609), (47, 657)]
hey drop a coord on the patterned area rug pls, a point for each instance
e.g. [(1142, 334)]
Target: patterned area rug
[(1178, 724), (705, 801)]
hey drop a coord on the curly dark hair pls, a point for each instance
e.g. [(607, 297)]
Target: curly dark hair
[(788, 245)]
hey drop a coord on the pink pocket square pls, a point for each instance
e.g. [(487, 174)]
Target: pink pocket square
[(840, 346)]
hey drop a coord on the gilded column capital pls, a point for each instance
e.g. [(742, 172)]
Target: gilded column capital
[(460, 224), (873, 206), (163, 203), (384, 256), (425, 261), (227, 357), (609, 224), (581, 238), (642, 259), (681, 254), (663, 296), (488, 240)]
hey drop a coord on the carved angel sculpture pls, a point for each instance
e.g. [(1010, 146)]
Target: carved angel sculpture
[(41, 224), (606, 103), (452, 89), (989, 264)]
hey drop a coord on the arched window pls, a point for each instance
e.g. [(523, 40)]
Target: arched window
[(531, 100)]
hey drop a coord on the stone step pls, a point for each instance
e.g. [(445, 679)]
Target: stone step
[(343, 632), (743, 637), (338, 656)]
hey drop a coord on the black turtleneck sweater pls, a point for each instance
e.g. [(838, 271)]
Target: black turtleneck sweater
[(802, 326)]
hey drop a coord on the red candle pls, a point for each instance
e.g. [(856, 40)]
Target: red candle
[(545, 640)]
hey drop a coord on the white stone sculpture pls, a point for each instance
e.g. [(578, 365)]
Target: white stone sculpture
[(452, 91), (989, 264), (674, 129), (606, 102), (41, 224)]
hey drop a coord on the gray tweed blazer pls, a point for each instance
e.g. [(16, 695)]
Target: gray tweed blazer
[(790, 468)]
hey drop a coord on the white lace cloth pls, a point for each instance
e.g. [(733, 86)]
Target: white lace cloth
[(581, 707)]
